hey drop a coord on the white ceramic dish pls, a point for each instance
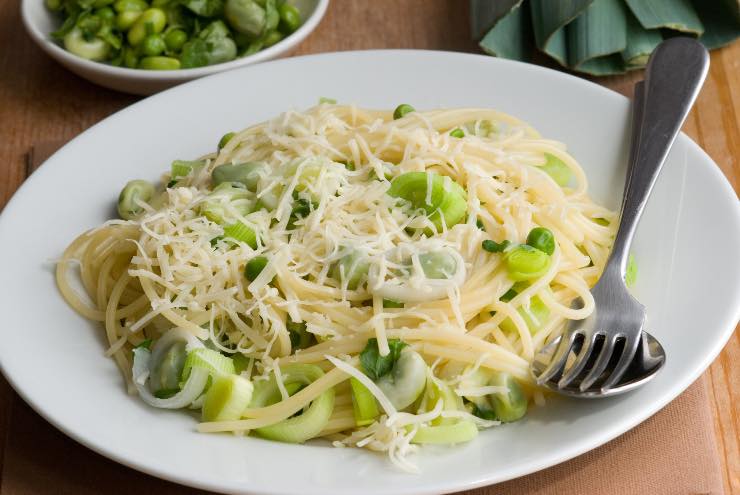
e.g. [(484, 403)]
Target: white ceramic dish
[(39, 22), (686, 248)]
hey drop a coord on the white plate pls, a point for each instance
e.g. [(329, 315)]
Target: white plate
[(686, 249)]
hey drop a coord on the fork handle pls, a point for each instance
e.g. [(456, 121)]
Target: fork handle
[(673, 78)]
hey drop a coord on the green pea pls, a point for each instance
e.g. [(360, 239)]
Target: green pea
[(247, 174), (175, 39), (438, 265), (151, 21), (130, 6), (254, 267), (290, 18), (225, 139), (54, 4), (542, 239), (457, 133), (159, 63), (152, 45), (272, 38), (245, 16), (401, 111), (131, 194), (130, 59), (124, 20), (526, 263), (95, 49), (106, 14)]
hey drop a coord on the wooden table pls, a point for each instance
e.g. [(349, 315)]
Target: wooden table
[(40, 101)]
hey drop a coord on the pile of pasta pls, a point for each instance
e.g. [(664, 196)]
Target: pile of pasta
[(340, 262)]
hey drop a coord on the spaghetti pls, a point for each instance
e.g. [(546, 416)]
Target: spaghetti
[(378, 281)]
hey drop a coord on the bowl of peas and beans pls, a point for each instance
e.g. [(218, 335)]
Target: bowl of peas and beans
[(144, 46)]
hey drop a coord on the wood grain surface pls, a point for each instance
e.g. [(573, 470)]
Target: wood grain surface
[(40, 101)]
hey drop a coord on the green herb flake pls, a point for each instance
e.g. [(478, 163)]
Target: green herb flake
[(373, 364)]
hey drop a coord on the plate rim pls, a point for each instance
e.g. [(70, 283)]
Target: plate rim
[(573, 450)]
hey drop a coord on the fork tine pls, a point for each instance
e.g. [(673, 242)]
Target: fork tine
[(628, 354), (601, 363), (559, 358), (575, 369)]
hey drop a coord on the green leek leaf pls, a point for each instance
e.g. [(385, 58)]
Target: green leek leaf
[(549, 20), (640, 43), (678, 15), (458, 432), (484, 14), (597, 37), (509, 38), (721, 21), (363, 403), (240, 232)]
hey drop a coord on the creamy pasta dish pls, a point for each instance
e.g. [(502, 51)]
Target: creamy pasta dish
[(378, 279)]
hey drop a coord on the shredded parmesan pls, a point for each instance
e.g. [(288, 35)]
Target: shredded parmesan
[(320, 197)]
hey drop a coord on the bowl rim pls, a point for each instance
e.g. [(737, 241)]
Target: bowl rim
[(56, 51)]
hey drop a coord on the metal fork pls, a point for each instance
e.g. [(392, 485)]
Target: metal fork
[(606, 343)]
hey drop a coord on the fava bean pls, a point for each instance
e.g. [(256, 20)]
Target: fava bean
[(152, 45), (130, 59), (159, 63), (438, 265), (245, 16), (175, 39), (130, 6), (290, 18), (151, 21), (248, 174), (131, 194), (124, 20)]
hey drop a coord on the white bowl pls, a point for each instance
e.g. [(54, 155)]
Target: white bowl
[(39, 22)]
